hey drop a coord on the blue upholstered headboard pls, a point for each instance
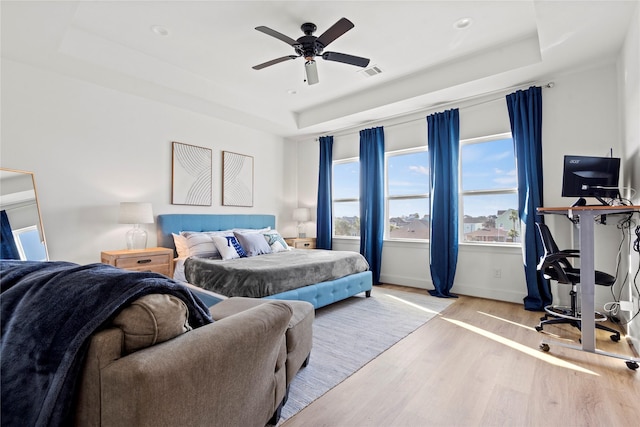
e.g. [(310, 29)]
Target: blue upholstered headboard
[(175, 223)]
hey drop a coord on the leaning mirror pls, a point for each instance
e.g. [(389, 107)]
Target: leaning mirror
[(22, 231)]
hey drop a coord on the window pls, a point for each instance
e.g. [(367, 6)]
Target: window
[(408, 194), (346, 198), (489, 190), (29, 245)]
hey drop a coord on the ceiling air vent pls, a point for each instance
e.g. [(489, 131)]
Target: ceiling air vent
[(370, 71)]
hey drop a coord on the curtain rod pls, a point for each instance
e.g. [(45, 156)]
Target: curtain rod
[(350, 129)]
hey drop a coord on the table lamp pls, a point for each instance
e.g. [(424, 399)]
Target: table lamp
[(136, 213), (301, 215)]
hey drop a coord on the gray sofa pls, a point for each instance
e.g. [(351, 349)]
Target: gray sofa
[(149, 369), (299, 335)]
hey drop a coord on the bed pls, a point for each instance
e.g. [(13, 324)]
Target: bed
[(319, 294)]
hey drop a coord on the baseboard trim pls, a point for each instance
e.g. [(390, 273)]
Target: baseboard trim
[(462, 289)]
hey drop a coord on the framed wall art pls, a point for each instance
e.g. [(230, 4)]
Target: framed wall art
[(237, 179), (191, 175)]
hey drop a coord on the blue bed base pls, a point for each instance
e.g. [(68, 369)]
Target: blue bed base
[(319, 294)]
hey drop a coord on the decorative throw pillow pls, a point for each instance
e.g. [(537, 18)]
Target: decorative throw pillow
[(181, 245), (228, 247), (275, 241), (253, 243), (200, 244), (152, 319)]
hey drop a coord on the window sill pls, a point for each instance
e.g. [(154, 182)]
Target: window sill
[(467, 246)]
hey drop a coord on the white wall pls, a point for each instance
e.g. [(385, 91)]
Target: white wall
[(629, 89), (580, 116), (91, 148)]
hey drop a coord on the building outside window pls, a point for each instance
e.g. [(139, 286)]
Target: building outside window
[(407, 194), (489, 191)]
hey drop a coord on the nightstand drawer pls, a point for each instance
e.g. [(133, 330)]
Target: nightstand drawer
[(304, 245), (158, 260), (301, 242), (143, 263)]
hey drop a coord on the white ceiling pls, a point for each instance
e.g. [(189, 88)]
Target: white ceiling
[(204, 63)]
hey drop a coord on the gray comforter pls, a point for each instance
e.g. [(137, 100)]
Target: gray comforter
[(270, 274)]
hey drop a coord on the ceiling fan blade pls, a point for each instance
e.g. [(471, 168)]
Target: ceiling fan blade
[(273, 33), (336, 30), (273, 62), (347, 59), (312, 72)]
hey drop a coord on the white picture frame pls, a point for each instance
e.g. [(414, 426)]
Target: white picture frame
[(237, 179), (191, 182)]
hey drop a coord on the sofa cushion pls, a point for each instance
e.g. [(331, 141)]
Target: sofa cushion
[(152, 319)]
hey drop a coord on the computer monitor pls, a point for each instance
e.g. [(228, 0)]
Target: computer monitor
[(586, 176)]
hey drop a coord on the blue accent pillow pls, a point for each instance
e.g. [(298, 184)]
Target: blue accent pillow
[(228, 247), (253, 244), (275, 241)]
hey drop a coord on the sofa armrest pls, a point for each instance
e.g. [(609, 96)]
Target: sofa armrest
[(228, 373), (105, 347)]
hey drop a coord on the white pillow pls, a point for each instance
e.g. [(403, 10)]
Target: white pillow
[(275, 241), (251, 230), (181, 245), (200, 245), (228, 247)]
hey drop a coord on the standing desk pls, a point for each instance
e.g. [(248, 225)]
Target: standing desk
[(587, 215)]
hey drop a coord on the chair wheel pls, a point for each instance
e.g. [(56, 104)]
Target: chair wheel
[(632, 364), (539, 328), (615, 338), (545, 347)]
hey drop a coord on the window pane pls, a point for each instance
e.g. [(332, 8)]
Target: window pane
[(346, 180), (408, 174), (346, 219), (409, 219), (491, 218), (488, 165)]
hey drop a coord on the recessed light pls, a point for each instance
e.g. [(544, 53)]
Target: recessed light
[(292, 92), (160, 30), (463, 23)]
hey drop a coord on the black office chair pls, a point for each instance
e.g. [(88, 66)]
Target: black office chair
[(555, 266)]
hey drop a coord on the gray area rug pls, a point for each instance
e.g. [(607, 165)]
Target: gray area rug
[(350, 333)]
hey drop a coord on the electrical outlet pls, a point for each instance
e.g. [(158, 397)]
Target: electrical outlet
[(497, 273)]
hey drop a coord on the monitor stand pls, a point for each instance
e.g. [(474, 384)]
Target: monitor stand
[(580, 202)]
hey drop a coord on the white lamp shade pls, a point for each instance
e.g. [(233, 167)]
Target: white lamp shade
[(301, 214), (135, 213)]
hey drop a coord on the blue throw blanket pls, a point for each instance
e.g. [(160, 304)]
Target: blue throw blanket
[(49, 312)]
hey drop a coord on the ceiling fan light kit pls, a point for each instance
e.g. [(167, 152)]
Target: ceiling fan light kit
[(311, 70), (310, 46)]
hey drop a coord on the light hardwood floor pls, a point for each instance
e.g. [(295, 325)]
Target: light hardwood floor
[(478, 364)]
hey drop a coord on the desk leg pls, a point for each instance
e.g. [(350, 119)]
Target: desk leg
[(587, 281)]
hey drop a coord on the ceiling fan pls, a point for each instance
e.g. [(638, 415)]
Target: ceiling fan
[(310, 46)]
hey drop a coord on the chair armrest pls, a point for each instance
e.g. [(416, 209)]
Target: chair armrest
[(551, 258), (230, 372), (570, 251)]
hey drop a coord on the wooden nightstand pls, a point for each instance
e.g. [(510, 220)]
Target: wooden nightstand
[(301, 242), (158, 260)]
